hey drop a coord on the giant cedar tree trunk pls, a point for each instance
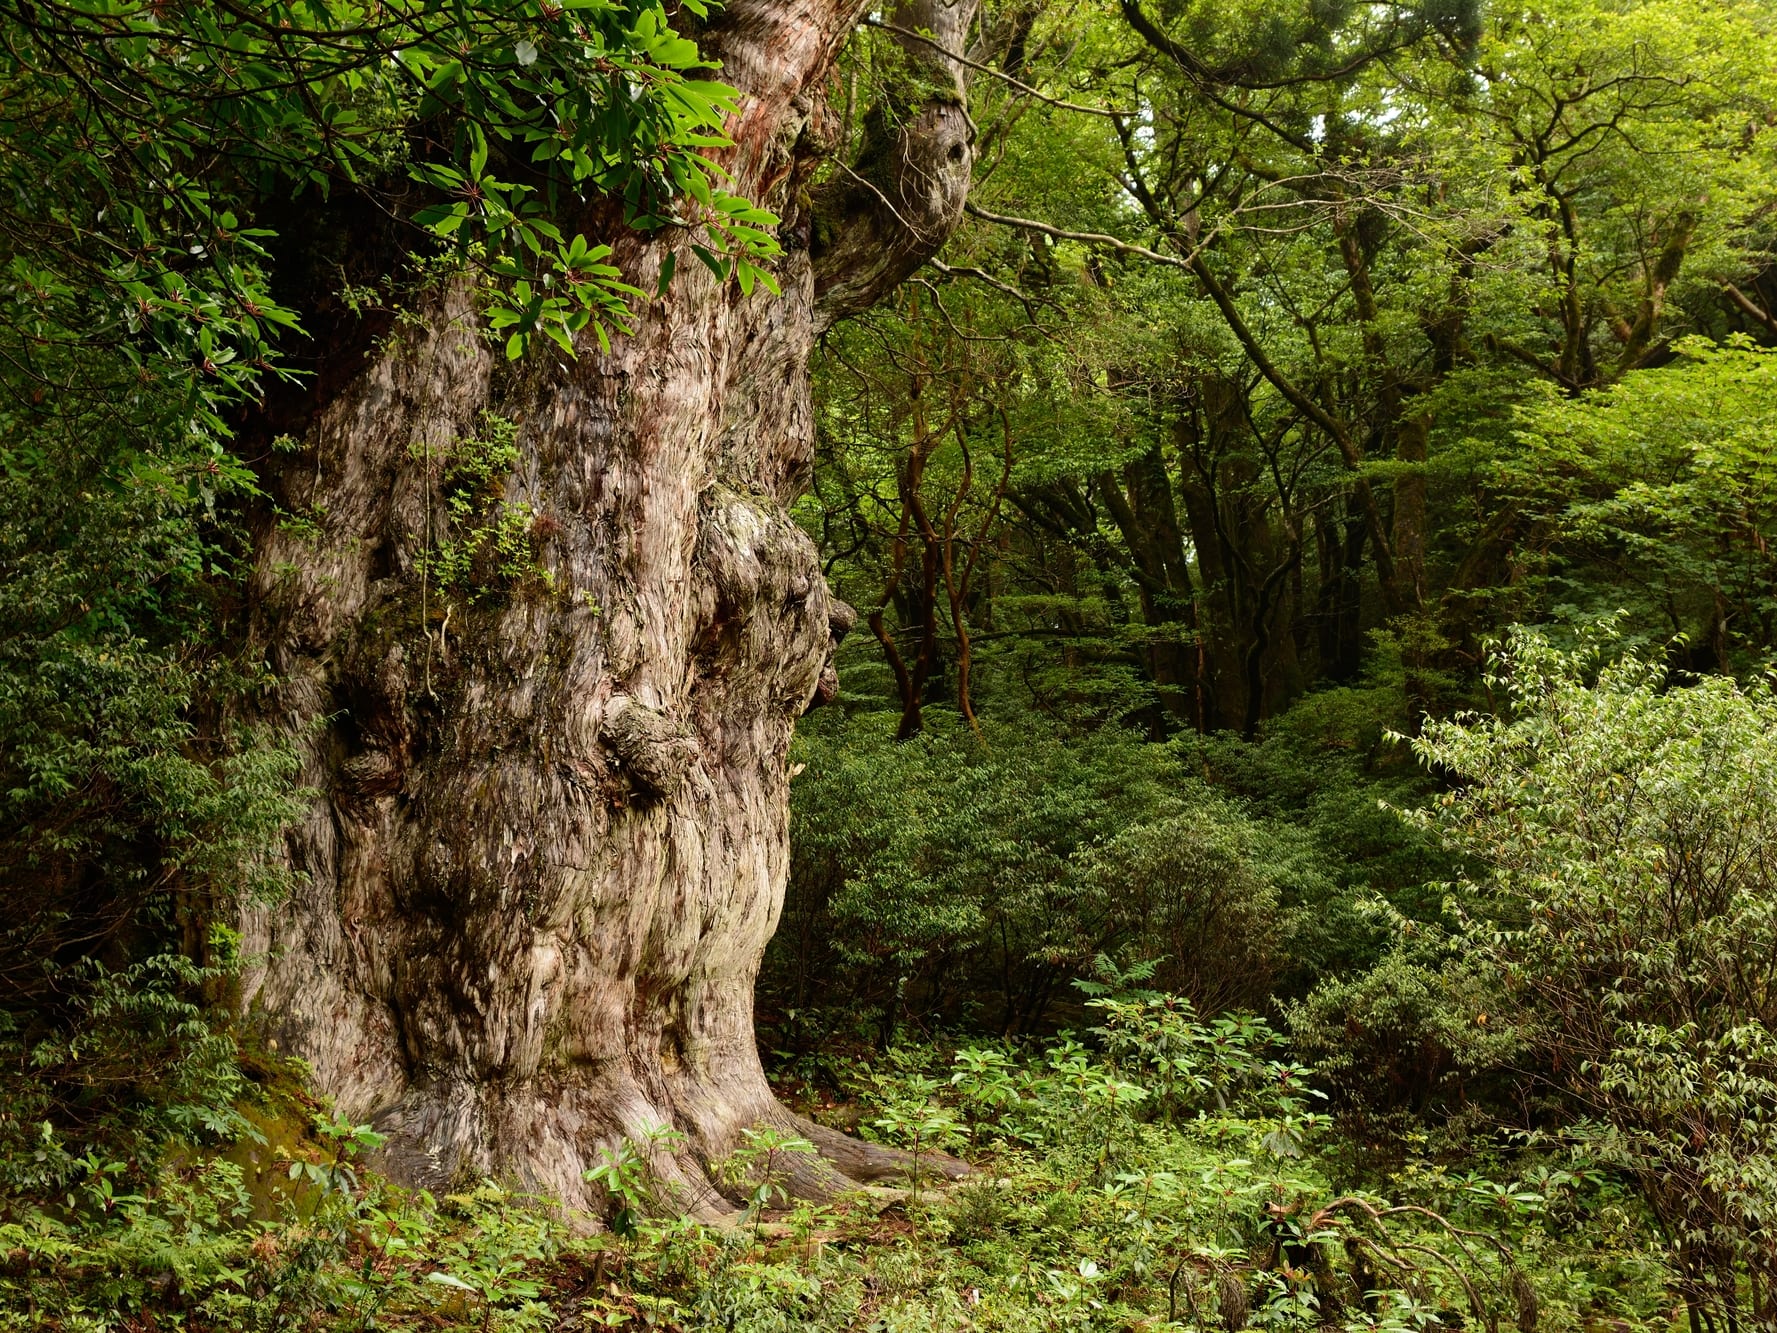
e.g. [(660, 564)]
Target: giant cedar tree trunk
[(551, 837)]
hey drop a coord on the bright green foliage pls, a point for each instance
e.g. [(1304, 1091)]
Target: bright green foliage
[(1310, 373), (202, 1243), (130, 1057), (1660, 494), (106, 558), (142, 141), (1413, 1043), (1257, 358), (1393, 352), (489, 542), (1631, 923), (1349, 335), (956, 878), (127, 815)]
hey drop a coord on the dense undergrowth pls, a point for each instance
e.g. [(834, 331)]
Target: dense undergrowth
[(1157, 1171), (1542, 1105)]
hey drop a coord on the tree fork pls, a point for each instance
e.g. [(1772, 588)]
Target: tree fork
[(551, 832)]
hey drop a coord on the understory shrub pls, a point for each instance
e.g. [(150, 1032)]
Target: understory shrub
[(965, 878)]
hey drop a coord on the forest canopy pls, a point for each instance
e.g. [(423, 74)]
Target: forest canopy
[(984, 664)]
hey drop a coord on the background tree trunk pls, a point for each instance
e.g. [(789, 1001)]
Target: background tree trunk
[(550, 840)]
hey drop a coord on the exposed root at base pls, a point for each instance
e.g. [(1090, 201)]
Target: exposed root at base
[(839, 1165), (864, 1163), (545, 1140)]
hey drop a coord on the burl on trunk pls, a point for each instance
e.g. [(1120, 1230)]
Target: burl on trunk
[(551, 837)]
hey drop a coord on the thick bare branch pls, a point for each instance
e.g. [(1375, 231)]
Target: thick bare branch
[(893, 208)]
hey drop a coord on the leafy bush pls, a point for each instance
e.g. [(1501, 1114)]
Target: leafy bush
[(1631, 921), (946, 877), (1410, 1042), (131, 815)]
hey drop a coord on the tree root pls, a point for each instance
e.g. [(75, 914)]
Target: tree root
[(865, 1163), (445, 1139)]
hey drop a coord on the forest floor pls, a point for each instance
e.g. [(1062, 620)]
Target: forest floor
[(1098, 1201)]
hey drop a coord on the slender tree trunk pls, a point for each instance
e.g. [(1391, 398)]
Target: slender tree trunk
[(550, 837), (1140, 502)]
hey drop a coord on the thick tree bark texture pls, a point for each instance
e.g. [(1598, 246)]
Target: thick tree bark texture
[(551, 837)]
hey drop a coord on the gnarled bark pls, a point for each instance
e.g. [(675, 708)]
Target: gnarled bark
[(551, 837)]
